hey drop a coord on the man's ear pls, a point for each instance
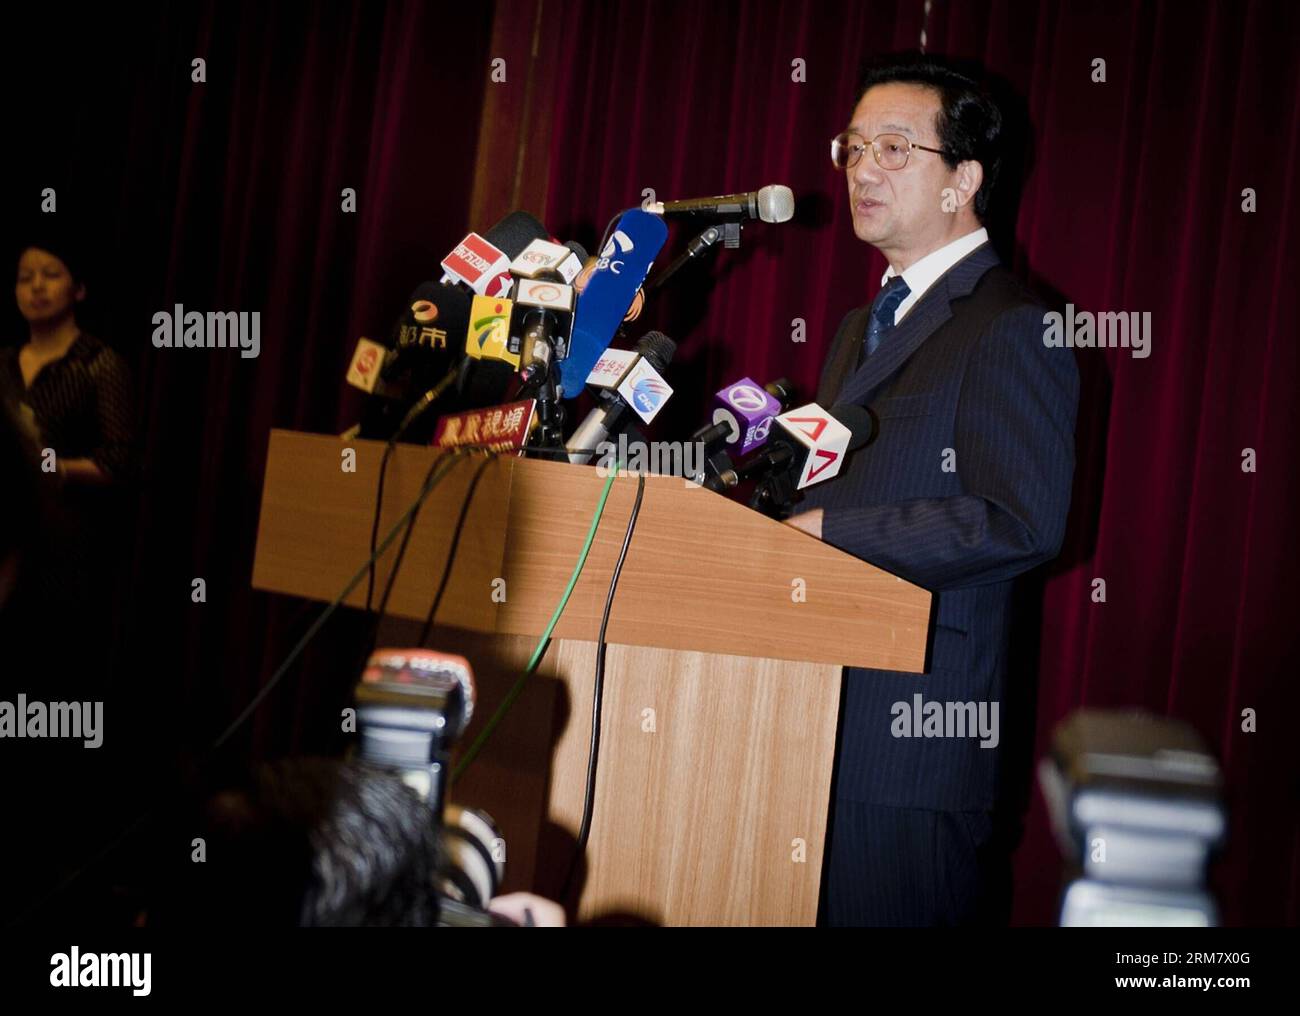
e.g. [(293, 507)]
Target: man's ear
[(970, 174), (79, 294)]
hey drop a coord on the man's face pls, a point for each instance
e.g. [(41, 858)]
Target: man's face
[(45, 289), (899, 211)]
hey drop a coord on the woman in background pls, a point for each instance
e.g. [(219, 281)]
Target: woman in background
[(71, 391), (71, 396)]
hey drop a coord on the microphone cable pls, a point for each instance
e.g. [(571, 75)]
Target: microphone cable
[(543, 641), (432, 480), (597, 697), (413, 414)]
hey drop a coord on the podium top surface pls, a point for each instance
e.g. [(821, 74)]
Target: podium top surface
[(501, 536)]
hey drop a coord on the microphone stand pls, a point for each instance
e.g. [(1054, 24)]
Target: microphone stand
[(727, 232), (539, 383)]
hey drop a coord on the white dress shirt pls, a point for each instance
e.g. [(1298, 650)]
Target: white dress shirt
[(926, 272)]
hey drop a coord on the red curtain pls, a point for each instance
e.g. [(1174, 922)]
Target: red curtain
[(1132, 201), (227, 195)]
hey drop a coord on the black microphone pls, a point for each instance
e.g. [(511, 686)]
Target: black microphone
[(773, 203), (611, 413), (743, 415), (483, 382), (804, 451), (782, 450)]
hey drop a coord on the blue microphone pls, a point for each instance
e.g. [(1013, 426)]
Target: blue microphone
[(622, 267)]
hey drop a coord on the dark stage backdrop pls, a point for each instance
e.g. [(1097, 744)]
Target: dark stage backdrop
[(227, 195)]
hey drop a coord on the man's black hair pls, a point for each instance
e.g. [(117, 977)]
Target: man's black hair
[(315, 843), (969, 124)]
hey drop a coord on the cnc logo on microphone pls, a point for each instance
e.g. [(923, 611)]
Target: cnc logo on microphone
[(644, 390), (648, 394), (619, 243)]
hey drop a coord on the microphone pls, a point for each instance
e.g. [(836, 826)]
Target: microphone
[(613, 412), (487, 368), (543, 256), (369, 359), (483, 263), (809, 447), (427, 340), (747, 410), (545, 320), (621, 268), (773, 203), (742, 417), (425, 346), (492, 353)]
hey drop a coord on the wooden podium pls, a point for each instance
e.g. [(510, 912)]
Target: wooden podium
[(722, 687)]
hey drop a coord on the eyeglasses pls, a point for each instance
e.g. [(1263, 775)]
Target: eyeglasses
[(890, 150)]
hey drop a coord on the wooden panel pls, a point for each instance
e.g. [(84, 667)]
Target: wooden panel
[(703, 573), (712, 790), (712, 787), (314, 530)]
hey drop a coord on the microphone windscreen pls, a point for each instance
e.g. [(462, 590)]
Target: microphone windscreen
[(431, 333), (861, 424), (783, 390), (658, 348), (776, 203), (443, 308), (515, 232)]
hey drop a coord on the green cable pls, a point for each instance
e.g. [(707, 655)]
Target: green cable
[(544, 641)]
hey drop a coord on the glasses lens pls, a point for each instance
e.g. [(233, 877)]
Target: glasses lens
[(891, 151), (846, 149)]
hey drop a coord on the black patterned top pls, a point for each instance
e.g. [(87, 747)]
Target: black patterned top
[(81, 403)]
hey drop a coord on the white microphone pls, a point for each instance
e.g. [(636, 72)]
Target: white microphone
[(773, 203)]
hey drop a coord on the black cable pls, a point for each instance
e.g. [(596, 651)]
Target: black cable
[(597, 697), (374, 522), (420, 407), (451, 551), (431, 482), (397, 561)]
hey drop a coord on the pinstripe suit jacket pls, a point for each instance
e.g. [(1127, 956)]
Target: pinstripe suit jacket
[(966, 485)]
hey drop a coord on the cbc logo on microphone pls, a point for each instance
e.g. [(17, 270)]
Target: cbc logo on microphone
[(619, 243)]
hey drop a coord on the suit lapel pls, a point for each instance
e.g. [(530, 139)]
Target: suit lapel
[(844, 351), (924, 319)]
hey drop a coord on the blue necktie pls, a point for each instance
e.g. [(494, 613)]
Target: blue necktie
[(882, 315)]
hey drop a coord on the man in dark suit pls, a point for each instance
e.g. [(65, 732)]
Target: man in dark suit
[(965, 486)]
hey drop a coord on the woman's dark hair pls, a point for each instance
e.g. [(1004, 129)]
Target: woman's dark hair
[(969, 123), (58, 236)]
